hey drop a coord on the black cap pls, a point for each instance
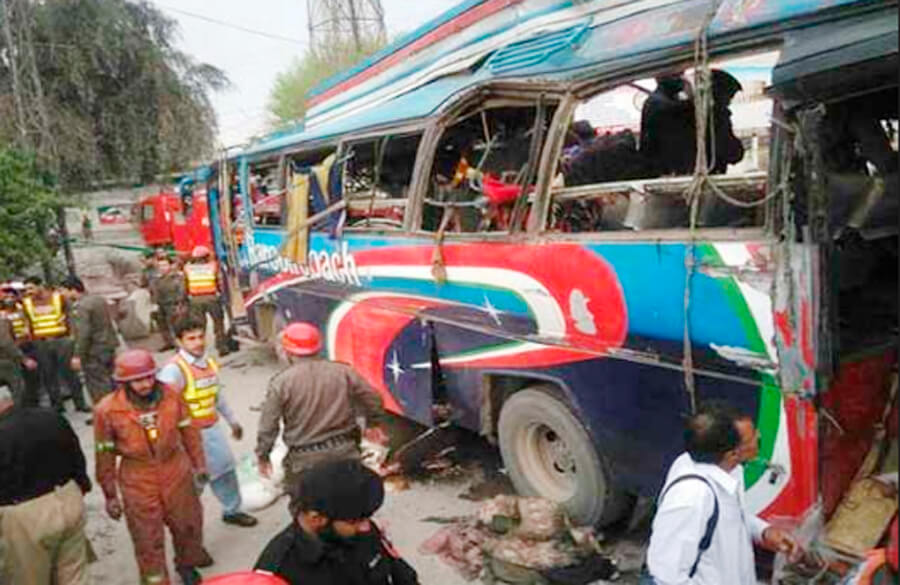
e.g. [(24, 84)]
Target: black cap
[(342, 489), (725, 83)]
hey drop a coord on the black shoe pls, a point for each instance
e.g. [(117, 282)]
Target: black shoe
[(84, 408), (207, 561), (89, 422), (189, 575), (240, 519)]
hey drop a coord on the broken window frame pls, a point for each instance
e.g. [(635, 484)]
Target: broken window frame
[(286, 163), (278, 163), (483, 100), (372, 203), (565, 116)]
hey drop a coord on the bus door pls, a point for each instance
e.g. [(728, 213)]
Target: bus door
[(844, 102)]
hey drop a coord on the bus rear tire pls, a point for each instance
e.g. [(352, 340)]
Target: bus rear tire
[(549, 453)]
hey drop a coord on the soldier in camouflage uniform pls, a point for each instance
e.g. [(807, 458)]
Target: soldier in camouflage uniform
[(11, 361), (171, 297), (95, 338)]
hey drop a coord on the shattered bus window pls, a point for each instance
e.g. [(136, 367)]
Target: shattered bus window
[(267, 193), (481, 165), (630, 154), (859, 148), (377, 177)]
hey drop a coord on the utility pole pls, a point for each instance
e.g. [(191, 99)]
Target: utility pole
[(345, 21)]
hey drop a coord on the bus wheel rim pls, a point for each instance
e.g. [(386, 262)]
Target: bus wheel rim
[(550, 463)]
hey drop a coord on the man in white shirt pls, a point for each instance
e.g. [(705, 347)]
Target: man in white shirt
[(703, 500), (195, 375)]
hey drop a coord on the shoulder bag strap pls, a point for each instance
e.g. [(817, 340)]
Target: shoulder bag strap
[(711, 524)]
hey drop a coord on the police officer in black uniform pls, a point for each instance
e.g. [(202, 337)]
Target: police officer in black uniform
[(332, 539)]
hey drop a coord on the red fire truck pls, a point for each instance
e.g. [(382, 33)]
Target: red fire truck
[(168, 220)]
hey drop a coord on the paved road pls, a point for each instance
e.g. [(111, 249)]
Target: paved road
[(245, 376), (235, 548)]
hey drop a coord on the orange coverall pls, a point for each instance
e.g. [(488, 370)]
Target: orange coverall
[(158, 456)]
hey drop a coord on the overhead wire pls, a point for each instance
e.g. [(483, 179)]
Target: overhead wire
[(239, 27)]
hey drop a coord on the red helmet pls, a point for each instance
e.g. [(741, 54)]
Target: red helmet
[(200, 252), (246, 578), (134, 364), (301, 339)]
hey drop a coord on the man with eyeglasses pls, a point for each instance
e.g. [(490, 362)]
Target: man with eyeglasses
[(702, 533)]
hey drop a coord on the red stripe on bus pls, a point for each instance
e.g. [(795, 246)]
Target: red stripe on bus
[(451, 28)]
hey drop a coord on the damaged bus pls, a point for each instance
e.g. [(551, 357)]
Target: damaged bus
[(475, 220)]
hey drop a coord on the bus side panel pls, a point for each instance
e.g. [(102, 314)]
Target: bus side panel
[(554, 311), (372, 334)]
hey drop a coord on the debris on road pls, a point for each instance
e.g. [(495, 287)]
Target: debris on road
[(514, 539)]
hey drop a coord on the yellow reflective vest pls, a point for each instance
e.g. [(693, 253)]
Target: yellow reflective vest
[(201, 279), (48, 321), (19, 323), (201, 389)]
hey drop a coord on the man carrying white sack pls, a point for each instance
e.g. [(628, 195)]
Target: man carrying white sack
[(196, 376)]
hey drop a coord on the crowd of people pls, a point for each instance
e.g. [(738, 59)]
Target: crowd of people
[(160, 438)]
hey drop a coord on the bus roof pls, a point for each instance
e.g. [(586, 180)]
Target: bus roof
[(407, 41), (589, 41)]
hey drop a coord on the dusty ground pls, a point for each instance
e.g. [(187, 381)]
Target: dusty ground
[(245, 375)]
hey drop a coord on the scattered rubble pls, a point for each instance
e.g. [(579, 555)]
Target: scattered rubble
[(513, 539)]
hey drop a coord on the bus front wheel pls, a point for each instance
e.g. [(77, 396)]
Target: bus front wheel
[(549, 453)]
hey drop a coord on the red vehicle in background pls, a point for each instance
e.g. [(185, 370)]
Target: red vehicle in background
[(165, 220)]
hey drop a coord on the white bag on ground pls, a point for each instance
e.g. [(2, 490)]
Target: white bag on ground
[(257, 492)]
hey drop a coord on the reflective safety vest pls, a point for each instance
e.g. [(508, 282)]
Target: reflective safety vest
[(201, 279), (16, 317), (201, 386), (47, 321)]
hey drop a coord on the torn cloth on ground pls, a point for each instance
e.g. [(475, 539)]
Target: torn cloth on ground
[(459, 545), (520, 540)]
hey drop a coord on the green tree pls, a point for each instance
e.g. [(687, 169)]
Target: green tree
[(27, 214), (287, 100), (115, 100)]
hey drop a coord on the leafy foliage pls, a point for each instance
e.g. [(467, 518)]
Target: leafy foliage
[(26, 213), (122, 102), (287, 100)]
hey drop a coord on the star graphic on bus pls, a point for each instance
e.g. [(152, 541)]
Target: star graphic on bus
[(491, 310), (395, 368)]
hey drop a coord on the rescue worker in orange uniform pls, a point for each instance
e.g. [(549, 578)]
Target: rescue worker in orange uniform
[(48, 320), (145, 429), (196, 376), (201, 275)]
